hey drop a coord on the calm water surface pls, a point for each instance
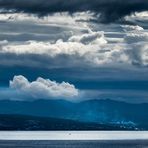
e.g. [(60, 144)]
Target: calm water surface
[(75, 144)]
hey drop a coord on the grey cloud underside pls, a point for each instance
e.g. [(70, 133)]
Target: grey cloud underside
[(110, 10)]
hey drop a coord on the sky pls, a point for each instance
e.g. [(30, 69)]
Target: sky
[(75, 50)]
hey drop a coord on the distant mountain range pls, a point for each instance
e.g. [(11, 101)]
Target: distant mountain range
[(97, 113)]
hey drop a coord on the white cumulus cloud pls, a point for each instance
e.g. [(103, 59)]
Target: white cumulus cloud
[(127, 28), (136, 37), (91, 47), (137, 48), (90, 38), (43, 88)]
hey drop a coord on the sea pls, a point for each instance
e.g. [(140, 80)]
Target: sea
[(73, 139)]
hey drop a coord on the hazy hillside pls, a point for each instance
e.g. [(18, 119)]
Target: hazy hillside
[(105, 112), (22, 122)]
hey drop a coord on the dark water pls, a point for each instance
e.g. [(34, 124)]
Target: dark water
[(74, 144)]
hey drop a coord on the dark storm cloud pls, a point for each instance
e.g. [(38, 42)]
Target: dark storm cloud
[(110, 9)]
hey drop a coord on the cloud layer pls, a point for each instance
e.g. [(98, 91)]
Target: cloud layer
[(110, 9), (107, 60), (90, 48)]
